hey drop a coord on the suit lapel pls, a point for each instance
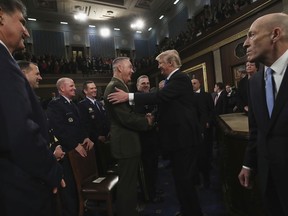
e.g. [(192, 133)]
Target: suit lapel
[(281, 99)]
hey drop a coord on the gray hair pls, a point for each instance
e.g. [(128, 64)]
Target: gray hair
[(171, 56), (10, 6)]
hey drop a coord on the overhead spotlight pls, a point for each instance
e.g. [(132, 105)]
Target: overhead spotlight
[(161, 17), (80, 16), (138, 24), (139, 32), (117, 29), (149, 29), (105, 32), (175, 2), (32, 19), (64, 23), (92, 26)]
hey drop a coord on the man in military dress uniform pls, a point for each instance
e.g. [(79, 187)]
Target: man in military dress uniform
[(68, 128)]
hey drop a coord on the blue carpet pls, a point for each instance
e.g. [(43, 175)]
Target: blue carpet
[(211, 199)]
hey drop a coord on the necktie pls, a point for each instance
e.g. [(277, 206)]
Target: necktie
[(269, 90), (215, 99), (165, 82), (97, 105)]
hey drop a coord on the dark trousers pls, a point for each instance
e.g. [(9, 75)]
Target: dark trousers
[(184, 169), (127, 186), (68, 195), (21, 194), (275, 199), (150, 173), (206, 156)]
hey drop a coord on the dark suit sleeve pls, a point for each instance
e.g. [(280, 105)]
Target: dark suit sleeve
[(250, 157), (171, 92), (242, 94), (202, 108), (22, 142)]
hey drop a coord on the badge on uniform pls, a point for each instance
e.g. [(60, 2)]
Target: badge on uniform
[(70, 120), (90, 110)]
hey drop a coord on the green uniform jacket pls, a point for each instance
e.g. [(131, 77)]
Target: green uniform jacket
[(125, 123)]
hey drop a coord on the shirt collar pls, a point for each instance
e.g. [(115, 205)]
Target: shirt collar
[(172, 73), (69, 101), (280, 65), (91, 99), (6, 47)]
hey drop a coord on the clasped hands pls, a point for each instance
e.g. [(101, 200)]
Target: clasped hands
[(82, 148)]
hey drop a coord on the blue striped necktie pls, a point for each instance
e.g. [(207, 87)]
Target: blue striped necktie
[(165, 82), (269, 90)]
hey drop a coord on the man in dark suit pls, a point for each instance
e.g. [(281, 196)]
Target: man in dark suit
[(95, 120), (32, 74), (68, 128), (267, 152), (242, 91), (220, 99), (29, 171), (179, 127), (207, 122), (125, 142), (149, 146)]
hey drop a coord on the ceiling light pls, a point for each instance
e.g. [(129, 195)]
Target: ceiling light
[(138, 24), (175, 2), (139, 32), (92, 26), (117, 29), (150, 29), (80, 16), (161, 17), (32, 19), (105, 32), (64, 23)]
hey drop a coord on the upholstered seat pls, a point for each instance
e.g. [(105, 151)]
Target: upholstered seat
[(85, 172)]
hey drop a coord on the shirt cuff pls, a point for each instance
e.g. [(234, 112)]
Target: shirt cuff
[(245, 167), (131, 98)]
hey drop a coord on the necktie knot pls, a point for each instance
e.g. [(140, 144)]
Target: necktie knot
[(269, 72)]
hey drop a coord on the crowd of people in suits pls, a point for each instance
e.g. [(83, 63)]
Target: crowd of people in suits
[(34, 163)]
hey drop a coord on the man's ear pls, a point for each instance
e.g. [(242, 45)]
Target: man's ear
[(276, 34), (119, 67)]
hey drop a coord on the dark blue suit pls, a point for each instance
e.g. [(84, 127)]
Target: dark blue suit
[(96, 124), (179, 132), (64, 118), (267, 151), (95, 120), (28, 168)]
